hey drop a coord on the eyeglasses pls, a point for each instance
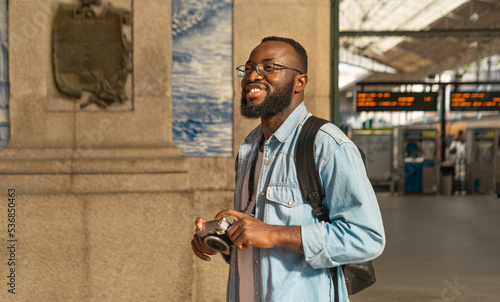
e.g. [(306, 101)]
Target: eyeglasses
[(262, 69)]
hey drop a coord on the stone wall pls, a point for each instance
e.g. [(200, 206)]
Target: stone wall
[(105, 205)]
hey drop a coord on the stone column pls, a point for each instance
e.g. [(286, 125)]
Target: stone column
[(57, 147), (103, 198)]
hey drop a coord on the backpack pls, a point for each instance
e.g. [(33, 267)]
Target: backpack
[(358, 276)]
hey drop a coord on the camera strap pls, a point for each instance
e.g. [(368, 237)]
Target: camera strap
[(251, 181)]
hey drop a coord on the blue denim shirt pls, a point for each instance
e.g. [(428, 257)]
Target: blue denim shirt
[(355, 234)]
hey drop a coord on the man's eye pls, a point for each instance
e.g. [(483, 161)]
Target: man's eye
[(268, 67), (248, 68)]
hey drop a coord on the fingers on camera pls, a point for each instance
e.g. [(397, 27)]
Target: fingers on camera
[(200, 249), (198, 222), (198, 252)]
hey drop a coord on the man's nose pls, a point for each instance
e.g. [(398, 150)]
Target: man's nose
[(254, 75)]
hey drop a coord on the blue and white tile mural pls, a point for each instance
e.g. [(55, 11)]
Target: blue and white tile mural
[(202, 77), (4, 73)]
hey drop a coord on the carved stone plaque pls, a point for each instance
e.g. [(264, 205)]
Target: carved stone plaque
[(91, 52)]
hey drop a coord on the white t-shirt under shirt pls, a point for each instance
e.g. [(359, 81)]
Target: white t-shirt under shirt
[(245, 257)]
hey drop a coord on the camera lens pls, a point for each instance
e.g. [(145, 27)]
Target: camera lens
[(217, 244)]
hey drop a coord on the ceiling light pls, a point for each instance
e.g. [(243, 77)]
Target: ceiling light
[(473, 44), (474, 17)]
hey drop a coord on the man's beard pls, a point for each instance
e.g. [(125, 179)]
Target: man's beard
[(272, 105)]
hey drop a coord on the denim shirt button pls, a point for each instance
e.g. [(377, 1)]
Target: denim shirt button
[(256, 292), (290, 202), (262, 193), (257, 261)]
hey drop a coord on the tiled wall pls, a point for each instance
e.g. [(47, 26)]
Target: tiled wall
[(202, 77)]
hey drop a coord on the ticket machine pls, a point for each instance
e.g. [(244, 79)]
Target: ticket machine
[(482, 170), (378, 147), (417, 157)]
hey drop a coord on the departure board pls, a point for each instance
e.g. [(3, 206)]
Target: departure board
[(396, 101), (475, 101)]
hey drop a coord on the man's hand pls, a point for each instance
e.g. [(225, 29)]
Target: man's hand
[(200, 249), (248, 230)]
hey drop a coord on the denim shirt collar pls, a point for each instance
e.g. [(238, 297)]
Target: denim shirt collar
[(290, 124), (286, 129)]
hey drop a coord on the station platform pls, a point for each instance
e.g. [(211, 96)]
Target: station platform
[(439, 248)]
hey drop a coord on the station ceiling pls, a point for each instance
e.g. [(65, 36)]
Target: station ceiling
[(416, 39)]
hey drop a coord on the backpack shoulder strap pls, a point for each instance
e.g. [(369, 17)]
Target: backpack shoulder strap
[(307, 172), (310, 181)]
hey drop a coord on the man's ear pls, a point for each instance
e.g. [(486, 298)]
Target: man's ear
[(301, 82)]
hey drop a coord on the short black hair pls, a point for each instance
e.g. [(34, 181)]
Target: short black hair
[(296, 45)]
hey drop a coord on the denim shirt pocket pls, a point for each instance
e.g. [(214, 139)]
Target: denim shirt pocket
[(285, 206), (285, 195)]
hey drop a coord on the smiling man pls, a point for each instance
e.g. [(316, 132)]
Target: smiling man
[(261, 100), (281, 251)]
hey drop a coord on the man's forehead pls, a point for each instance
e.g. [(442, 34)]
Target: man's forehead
[(271, 51)]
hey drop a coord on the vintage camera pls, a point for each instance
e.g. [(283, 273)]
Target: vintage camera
[(214, 234)]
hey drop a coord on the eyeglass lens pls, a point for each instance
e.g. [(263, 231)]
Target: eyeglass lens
[(262, 69)]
